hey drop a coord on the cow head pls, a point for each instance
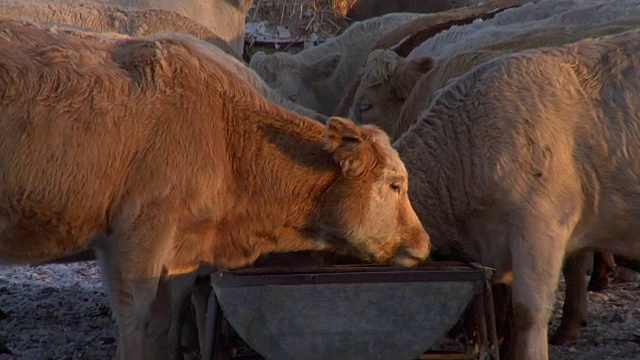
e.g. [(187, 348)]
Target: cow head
[(294, 79), (387, 81), (368, 204)]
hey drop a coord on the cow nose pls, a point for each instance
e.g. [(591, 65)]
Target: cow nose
[(421, 245), (416, 249)]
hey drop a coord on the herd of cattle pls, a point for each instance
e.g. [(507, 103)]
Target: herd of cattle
[(503, 133)]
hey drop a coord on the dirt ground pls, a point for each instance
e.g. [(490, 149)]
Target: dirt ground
[(61, 312)]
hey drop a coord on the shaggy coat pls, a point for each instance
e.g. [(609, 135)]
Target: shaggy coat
[(151, 152), (112, 18), (405, 38), (395, 90), (513, 22), (530, 158), (317, 77), (224, 18)]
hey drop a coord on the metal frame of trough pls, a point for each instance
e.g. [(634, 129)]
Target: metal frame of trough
[(479, 316)]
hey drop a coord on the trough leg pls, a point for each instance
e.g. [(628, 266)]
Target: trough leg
[(212, 328), (199, 299), (488, 302), (181, 287)]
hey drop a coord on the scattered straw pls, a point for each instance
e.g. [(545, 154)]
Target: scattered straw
[(303, 17)]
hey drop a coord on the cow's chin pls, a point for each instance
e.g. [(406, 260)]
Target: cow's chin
[(405, 259)]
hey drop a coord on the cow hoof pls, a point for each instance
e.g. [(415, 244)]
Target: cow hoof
[(598, 284), (564, 336)]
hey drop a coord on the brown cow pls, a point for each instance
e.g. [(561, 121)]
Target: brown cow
[(529, 158), (154, 154)]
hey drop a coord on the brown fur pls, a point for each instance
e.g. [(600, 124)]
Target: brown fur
[(115, 146), (111, 18), (530, 158)]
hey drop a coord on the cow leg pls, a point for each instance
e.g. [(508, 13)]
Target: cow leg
[(537, 251), (629, 263), (574, 310), (626, 269), (603, 267), (132, 261)]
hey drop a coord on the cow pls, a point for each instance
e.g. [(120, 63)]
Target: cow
[(394, 90), (529, 158), (240, 69), (383, 107), (224, 18), (152, 153), (110, 18), (366, 9), (316, 77), (405, 38), (515, 21)]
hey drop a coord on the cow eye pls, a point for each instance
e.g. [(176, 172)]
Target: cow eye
[(395, 186), (364, 108)]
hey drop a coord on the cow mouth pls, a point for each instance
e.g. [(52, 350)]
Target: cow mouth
[(405, 259)]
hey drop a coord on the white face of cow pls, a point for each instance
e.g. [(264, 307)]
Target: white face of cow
[(369, 204), (297, 81)]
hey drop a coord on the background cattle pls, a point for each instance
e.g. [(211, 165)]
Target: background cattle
[(384, 99), (394, 90), (528, 158), (171, 161), (110, 18), (366, 9), (515, 21), (224, 18), (316, 77), (420, 29)]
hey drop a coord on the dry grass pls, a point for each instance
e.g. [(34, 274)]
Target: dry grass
[(303, 18)]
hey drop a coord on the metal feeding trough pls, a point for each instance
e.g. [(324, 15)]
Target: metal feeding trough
[(368, 312)]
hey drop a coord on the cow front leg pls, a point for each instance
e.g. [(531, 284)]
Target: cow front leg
[(537, 251), (574, 310), (132, 261)]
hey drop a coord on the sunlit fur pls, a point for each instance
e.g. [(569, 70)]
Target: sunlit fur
[(152, 152), (383, 89), (529, 158)]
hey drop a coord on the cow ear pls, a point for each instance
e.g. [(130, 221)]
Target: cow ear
[(422, 65), (344, 138), (324, 68), (406, 75)]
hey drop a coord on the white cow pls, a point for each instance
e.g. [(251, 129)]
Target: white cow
[(527, 159)]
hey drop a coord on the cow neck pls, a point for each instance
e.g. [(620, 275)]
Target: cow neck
[(283, 157)]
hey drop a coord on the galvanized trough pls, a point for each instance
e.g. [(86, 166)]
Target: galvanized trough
[(368, 312)]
